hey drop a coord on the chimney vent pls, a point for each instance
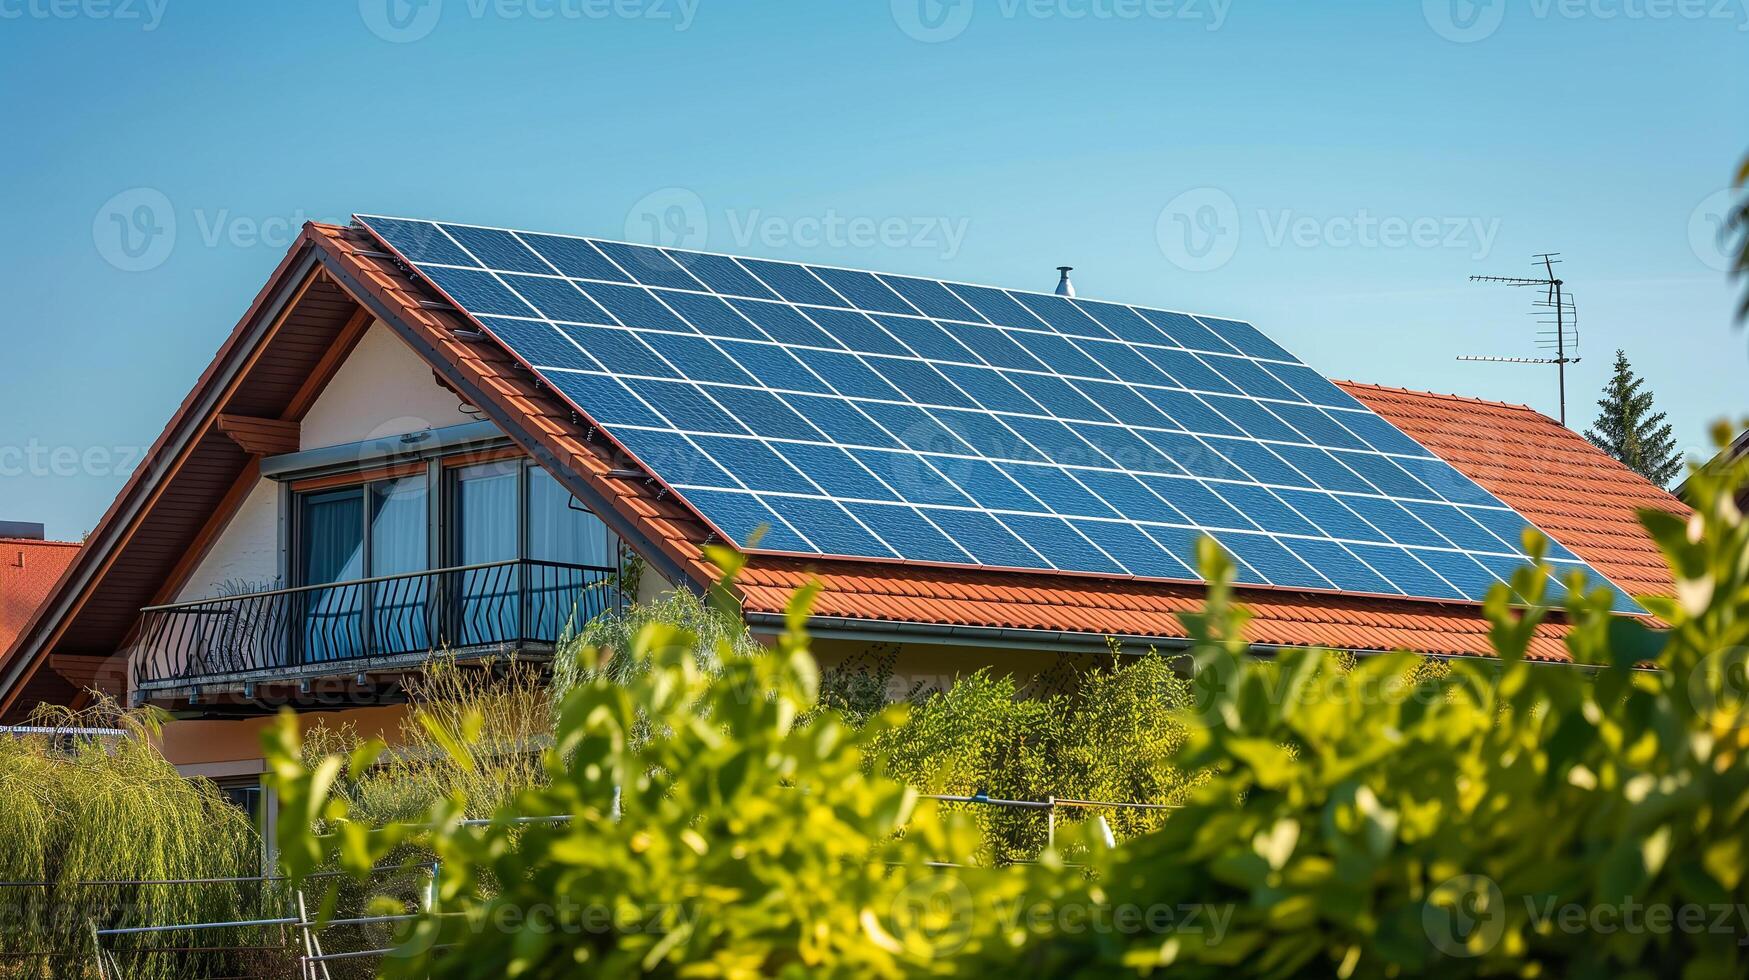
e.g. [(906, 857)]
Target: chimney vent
[(1064, 286)]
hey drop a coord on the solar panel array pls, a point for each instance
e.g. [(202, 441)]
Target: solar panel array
[(865, 415)]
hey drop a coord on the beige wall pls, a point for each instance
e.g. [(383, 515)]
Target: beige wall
[(246, 552), (232, 748), (383, 389)]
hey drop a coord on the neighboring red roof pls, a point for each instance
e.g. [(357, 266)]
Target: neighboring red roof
[(1547, 472), (28, 570)]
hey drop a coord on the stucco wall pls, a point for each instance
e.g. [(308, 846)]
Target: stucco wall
[(246, 553), (383, 389)]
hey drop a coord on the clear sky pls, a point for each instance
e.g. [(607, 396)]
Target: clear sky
[(1330, 171)]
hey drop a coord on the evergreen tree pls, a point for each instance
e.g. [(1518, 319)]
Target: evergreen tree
[(1628, 429)]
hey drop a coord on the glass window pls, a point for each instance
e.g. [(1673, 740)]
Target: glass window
[(400, 535), (488, 608), (561, 530)]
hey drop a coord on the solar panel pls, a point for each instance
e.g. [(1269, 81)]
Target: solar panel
[(862, 415)]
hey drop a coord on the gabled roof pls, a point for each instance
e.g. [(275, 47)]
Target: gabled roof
[(334, 280)]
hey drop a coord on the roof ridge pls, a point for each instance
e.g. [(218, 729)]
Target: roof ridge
[(1466, 399), (40, 541)]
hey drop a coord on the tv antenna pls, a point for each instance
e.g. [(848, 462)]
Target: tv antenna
[(1555, 312)]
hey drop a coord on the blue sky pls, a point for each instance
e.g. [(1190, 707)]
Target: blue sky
[(1330, 172)]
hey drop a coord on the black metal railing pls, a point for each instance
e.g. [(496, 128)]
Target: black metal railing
[(497, 605)]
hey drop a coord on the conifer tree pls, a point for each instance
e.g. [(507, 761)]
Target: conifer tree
[(1627, 428)]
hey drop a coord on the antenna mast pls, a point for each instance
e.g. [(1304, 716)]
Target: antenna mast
[(1555, 309)]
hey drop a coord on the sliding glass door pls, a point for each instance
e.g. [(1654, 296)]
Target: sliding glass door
[(332, 552), (365, 531), (487, 532)]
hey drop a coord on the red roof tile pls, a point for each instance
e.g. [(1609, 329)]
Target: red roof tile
[(1545, 471), (28, 570)]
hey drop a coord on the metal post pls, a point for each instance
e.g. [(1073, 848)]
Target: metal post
[(1051, 822)]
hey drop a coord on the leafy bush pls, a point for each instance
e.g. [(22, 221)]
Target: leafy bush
[(75, 810), (1504, 818), (1108, 740), (740, 835)]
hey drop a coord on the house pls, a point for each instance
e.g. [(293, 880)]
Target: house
[(364, 474), (29, 568)]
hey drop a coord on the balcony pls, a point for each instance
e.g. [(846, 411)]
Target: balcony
[(352, 628)]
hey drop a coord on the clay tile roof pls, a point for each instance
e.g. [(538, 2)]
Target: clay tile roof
[(28, 570), (1545, 471), (1552, 476)]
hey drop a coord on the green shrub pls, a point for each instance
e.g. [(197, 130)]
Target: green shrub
[(1503, 817), (740, 835), (1107, 740), (82, 809)]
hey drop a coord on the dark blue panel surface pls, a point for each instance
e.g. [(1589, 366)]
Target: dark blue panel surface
[(497, 249), (607, 401), (675, 457), (479, 292), (793, 282), (910, 530), (721, 274), (557, 299), (635, 307), (1034, 431), (748, 522), (575, 257), (863, 290), (421, 242), (932, 299), (649, 266), (829, 526)]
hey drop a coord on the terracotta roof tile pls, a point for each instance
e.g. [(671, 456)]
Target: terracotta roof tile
[(28, 570)]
